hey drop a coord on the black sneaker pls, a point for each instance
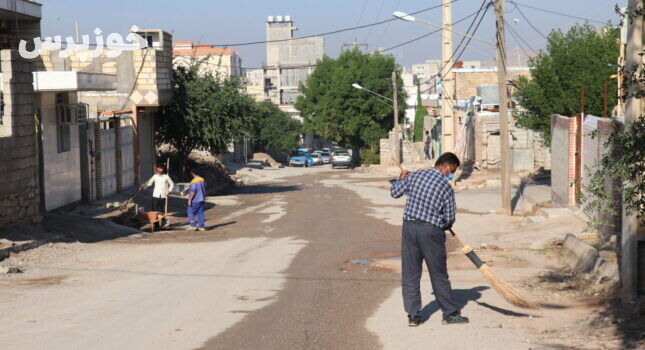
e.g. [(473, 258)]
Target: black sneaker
[(414, 321), (455, 318)]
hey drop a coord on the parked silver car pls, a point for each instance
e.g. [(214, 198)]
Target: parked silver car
[(317, 157), (326, 156), (341, 158)]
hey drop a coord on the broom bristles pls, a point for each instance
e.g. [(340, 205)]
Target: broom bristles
[(506, 290)]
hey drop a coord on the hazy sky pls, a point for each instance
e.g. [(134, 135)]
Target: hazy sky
[(225, 22)]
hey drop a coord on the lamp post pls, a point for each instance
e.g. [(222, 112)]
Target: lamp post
[(397, 146)]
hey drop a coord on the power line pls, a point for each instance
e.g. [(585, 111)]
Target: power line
[(463, 38), (516, 35), (369, 33), (528, 21), (463, 49), (298, 38), (518, 44), (558, 13), (328, 33), (428, 34), (385, 30)]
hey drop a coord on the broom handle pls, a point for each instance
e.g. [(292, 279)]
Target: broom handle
[(454, 236)]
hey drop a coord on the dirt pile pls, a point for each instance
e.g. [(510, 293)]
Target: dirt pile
[(208, 166), (266, 158)]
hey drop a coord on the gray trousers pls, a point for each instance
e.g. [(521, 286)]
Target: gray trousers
[(425, 242)]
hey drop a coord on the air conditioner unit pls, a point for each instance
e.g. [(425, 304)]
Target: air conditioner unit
[(489, 94), (270, 19), (279, 19)]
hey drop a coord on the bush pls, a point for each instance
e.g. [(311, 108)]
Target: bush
[(371, 155)]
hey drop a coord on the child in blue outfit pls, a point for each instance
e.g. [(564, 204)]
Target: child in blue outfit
[(196, 198)]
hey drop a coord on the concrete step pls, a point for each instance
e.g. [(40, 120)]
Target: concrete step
[(552, 213), (537, 218)]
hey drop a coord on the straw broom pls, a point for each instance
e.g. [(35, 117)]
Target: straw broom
[(496, 281)]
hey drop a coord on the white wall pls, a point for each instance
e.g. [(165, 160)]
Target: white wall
[(62, 170)]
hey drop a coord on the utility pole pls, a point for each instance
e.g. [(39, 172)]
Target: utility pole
[(355, 45), (503, 109), (447, 124), (395, 102)]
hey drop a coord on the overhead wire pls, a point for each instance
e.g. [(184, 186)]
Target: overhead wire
[(516, 36), (527, 20), (557, 13), (330, 32), (369, 33), (485, 6)]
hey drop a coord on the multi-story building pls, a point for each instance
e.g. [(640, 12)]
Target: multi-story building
[(290, 61), (220, 62)]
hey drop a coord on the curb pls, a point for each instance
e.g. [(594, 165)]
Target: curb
[(6, 252), (579, 255)]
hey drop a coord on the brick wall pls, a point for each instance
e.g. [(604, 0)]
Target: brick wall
[(563, 147), (19, 189)]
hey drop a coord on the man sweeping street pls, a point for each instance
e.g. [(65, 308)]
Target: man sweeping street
[(429, 211), (162, 186), (196, 198)]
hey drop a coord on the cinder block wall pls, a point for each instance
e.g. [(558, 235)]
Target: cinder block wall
[(563, 160), (19, 189), (466, 82)]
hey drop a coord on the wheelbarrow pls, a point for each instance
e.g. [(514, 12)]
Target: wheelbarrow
[(152, 217)]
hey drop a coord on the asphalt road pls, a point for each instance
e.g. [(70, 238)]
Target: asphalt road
[(325, 302)]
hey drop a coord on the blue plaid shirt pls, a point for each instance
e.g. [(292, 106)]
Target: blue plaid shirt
[(430, 198)]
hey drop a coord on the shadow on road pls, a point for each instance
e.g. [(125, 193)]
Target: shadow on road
[(462, 297), (505, 311), (265, 189)]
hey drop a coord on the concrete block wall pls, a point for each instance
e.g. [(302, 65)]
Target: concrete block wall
[(19, 189), (563, 149), (466, 81), (529, 151)]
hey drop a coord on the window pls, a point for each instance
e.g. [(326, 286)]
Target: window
[(63, 122), (81, 111)]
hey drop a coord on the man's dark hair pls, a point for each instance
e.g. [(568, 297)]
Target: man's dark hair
[(449, 158), (427, 132)]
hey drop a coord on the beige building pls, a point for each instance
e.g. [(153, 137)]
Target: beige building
[(77, 128), (104, 128), (220, 62)]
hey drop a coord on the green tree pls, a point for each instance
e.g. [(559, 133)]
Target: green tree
[(332, 108), (206, 113), (580, 57), (419, 117), (274, 129)]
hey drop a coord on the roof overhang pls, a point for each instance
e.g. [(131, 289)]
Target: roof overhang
[(28, 9), (73, 81)]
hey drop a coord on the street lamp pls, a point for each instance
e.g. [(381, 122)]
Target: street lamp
[(357, 86), (404, 16)]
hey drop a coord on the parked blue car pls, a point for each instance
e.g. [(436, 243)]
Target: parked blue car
[(301, 157)]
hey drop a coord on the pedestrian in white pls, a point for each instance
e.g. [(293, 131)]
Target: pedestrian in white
[(162, 186)]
